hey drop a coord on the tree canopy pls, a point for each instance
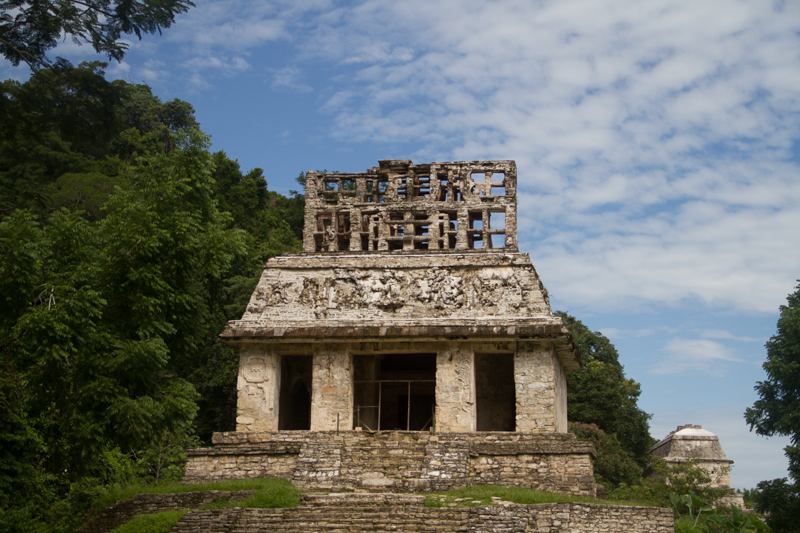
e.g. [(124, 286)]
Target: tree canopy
[(777, 412), (605, 402), (126, 245), (29, 28)]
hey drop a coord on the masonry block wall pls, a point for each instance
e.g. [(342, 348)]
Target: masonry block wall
[(409, 310), (397, 512)]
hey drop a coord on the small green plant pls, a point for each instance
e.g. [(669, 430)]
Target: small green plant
[(691, 504), (151, 523), (666, 480), (691, 518), (735, 520)]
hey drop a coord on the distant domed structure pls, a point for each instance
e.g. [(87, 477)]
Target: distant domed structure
[(692, 442)]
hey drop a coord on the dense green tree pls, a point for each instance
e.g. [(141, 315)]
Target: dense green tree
[(29, 28), (66, 138), (779, 501), (52, 125), (777, 412), (613, 465), (126, 246), (102, 319), (601, 394)]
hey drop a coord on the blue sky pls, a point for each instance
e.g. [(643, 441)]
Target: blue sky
[(658, 148)]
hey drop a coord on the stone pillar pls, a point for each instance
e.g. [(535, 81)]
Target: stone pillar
[(258, 388), (455, 389), (310, 218), (511, 227), (541, 389), (560, 387), (331, 388)]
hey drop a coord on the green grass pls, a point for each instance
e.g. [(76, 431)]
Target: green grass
[(273, 493), (151, 523), (482, 495), (269, 492)]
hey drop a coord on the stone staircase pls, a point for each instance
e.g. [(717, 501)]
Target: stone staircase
[(335, 513), (379, 512)]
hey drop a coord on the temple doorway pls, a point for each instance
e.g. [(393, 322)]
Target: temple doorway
[(294, 410), (495, 395), (394, 391)]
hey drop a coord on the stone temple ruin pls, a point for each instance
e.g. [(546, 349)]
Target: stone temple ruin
[(409, 347), (693, 443)]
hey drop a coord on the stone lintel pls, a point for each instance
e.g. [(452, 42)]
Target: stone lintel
[(376, 343)]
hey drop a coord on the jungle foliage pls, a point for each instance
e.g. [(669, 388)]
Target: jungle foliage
[(126, 245), (777, 412)]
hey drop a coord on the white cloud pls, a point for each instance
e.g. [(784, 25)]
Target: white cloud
[(289, 78), (694, 356), (723, 334), (653, 139), (229, 65)]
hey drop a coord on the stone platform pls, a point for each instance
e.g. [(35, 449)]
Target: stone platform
[(399, 461), (396, 512)]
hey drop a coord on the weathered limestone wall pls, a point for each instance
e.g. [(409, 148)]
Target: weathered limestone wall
[(258, 388), (560, 399), (378, 287), (538, 398), (455, 388), (245, 461), (541, 389), (367, 513), (332, 389), (399, 460)]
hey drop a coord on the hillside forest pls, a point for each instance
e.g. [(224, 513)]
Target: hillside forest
[(126, 245)]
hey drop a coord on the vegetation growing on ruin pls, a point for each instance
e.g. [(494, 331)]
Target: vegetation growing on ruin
[(151, 523), (269, 492)]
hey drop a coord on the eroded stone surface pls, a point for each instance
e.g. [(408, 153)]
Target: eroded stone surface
[(400, 206), (258, 387), (395, 512), (693, 443), (399, 461), (387, 287), (410, 282)]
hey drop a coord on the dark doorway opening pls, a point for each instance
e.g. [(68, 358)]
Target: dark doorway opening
[(494, 392), (294, 410), (394, 391)]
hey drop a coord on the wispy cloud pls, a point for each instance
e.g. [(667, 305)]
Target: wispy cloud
[(654, 140), (723, 334), (695, 356), (290, 79)]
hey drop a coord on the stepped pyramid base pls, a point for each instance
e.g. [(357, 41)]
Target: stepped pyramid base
[(399, 461)]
